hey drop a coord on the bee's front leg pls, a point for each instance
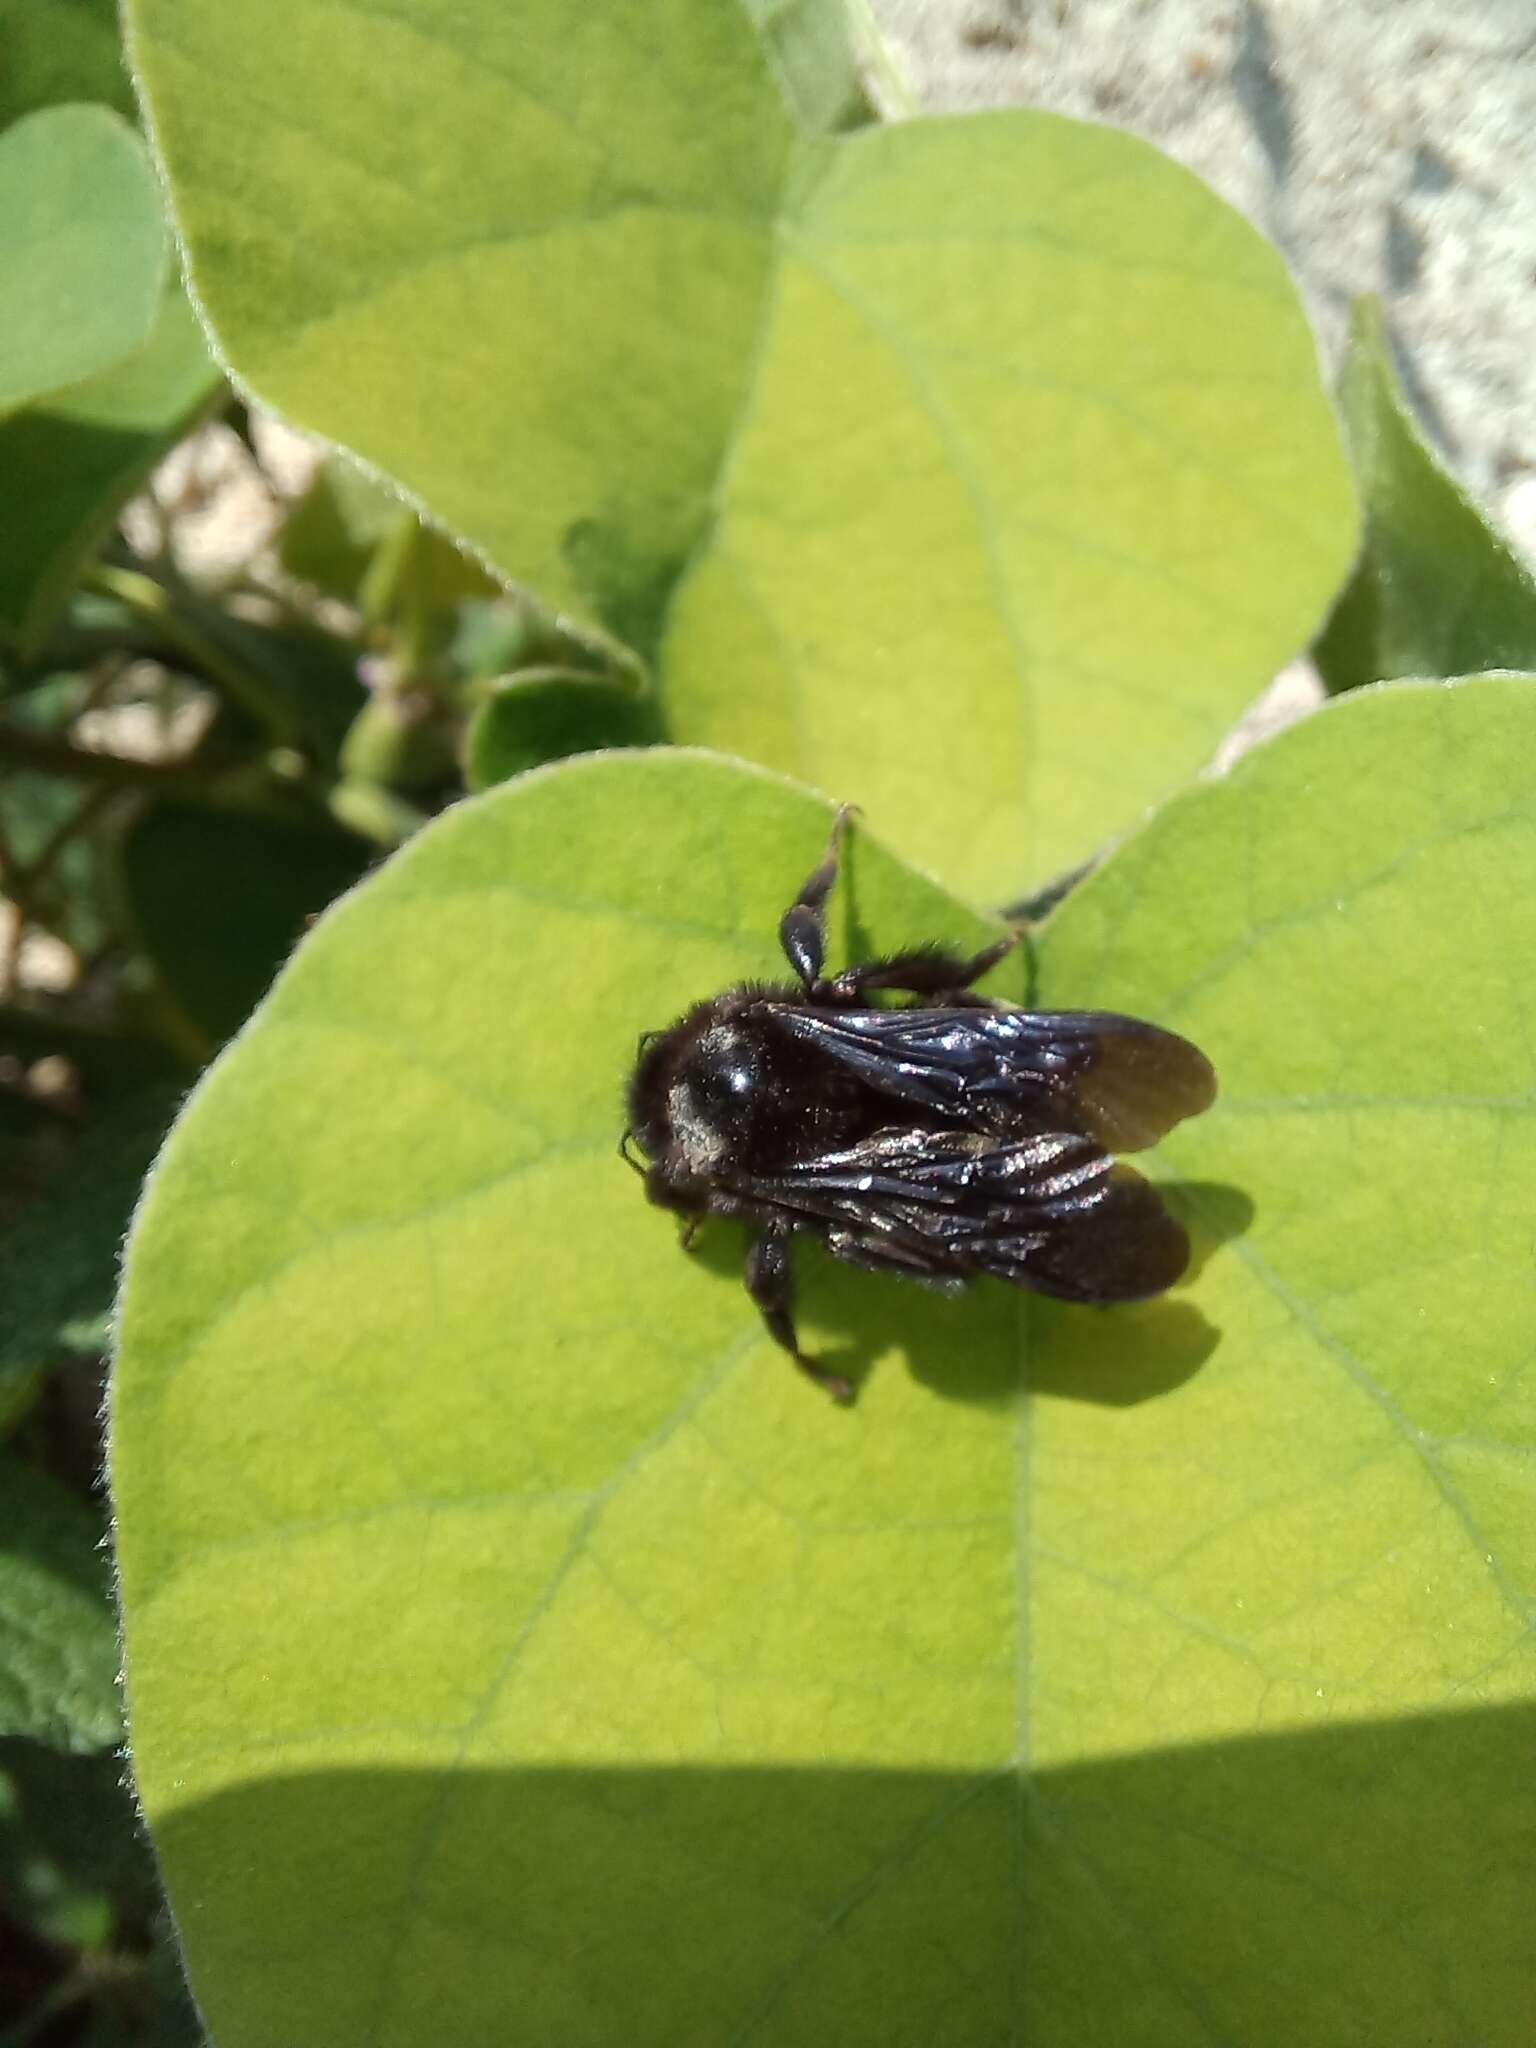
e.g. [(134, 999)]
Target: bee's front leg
[(802, 928)]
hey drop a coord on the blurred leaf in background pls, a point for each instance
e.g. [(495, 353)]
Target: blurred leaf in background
[(58, 1635), (67, 50), (74, 457), (82, 249)]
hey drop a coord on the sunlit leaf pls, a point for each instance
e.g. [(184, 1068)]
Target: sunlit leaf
[(917, 461), (1152, 1675)]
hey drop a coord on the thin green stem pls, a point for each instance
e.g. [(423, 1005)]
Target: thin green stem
[(151, 601)]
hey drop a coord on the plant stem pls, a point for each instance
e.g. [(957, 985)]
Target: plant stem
[(48, 756), (153, 602)]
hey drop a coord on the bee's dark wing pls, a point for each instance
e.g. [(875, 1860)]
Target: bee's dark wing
[(1052, 1212), (1118, 1080)]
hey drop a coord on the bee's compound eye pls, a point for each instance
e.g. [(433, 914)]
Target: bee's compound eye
[(726, 1079)]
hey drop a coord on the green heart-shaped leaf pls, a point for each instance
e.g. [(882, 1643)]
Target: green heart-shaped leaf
[(82, 249), (519, 1649), (1436, 590), (919, 461)]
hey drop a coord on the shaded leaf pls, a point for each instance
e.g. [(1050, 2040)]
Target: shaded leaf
[(76, 1814), (1158, 1675), (82, 249), (18, 1392), (58, 1642), (76, 456), (58, 1259), (1436, 590), (533, 719), (337, 529), (915, 462), (218, 899), (402, 740), (336, 525), (76, 1866), (68, 50)]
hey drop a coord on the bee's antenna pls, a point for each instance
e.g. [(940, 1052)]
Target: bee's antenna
[(625, 1142)]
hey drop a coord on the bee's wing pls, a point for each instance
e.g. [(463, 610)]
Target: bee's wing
[(1118, 1080), (1053, 1211)]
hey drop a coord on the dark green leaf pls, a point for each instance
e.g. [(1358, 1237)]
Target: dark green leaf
[(534, 719), (58, 1260), (218, 899), (58, 1636), (57, 50), (76, 1813)]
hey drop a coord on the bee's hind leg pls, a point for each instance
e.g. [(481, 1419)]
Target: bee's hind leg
[(771, 1285)]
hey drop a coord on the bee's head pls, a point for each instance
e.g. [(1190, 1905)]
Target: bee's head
[(695, 1091), (649, 1087)]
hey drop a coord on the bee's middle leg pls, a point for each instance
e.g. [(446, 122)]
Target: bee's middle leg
[(771, 1285)]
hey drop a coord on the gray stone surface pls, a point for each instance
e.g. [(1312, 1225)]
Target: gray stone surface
[(1385, 145)]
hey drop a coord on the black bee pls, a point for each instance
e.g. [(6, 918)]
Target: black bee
[(944, 1139)]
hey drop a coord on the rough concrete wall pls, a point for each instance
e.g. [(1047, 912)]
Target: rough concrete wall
[(1385, 145)]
